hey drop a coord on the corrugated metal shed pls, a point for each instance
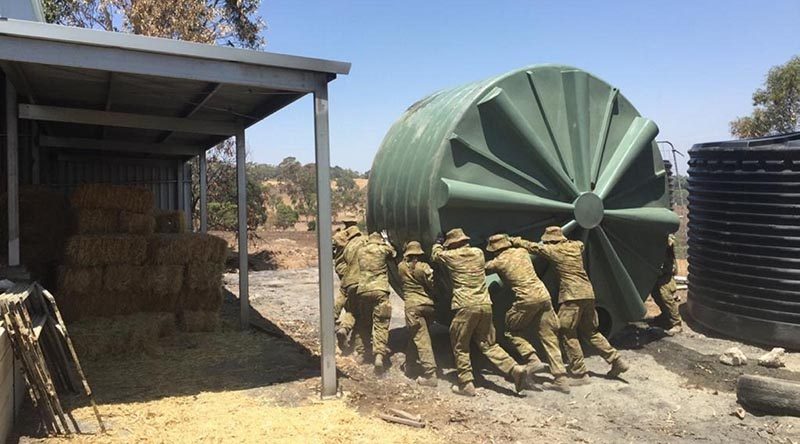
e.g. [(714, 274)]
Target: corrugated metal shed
[(92, 106)]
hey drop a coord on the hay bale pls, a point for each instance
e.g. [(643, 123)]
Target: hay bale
[(136, 223), (125, 278), (103, 337), (94, 250), (198, 321), (164, 279), (200, 300), (113, 197), (95, 221), (178, 249), (80, 280), (170, 221), (204, 276)]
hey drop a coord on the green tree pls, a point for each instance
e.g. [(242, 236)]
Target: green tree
[(777, 104), (285, 216), (221, 22)]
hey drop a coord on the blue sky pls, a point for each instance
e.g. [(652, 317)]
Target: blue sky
[(690, 66)]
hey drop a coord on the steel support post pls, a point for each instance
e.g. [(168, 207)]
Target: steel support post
[(203, 192), (12, 160), (241, 191), (326, 315)]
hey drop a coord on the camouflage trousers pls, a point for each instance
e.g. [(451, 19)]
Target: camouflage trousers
[(339, 300), (418, 319), (373, 313), (474, 324), (664, 296), (538, 318), (578, 320)]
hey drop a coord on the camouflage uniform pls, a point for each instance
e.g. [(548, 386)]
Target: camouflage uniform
[(349, 282), (576, 312), (531, 309), (374, 309), (472, 321), (417, 281), (664, 290), (340, 266)]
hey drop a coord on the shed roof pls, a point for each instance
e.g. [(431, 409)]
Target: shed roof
[(104, 89)]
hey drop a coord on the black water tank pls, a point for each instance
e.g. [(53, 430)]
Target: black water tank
[(744, 238)]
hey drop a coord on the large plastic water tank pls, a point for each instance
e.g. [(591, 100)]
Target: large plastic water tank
[(538, 146), (744, 238)]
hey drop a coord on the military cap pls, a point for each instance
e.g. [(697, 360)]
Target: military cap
[(553, 234), (498, 242), (413, 248), (352, 232), (349, 218), (455, 235)]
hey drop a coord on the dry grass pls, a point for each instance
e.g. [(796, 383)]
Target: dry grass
[(94, 250), (198, 321), (113, 197), (170, 222), (237, 417)]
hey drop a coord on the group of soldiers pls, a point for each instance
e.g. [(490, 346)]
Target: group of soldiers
[(364, 311)]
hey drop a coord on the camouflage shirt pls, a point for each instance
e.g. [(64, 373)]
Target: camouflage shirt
[(417, 280), (567, 257), (466, 267), (669, 267), (339, 242), (515, 268), (350, 254), (373, 270)]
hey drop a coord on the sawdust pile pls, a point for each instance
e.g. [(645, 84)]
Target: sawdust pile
[(236, 417)]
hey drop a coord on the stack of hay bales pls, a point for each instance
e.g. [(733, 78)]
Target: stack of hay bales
[(120, 262)]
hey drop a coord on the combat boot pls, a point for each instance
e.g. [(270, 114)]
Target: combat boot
[(674, 330), (561, 384), (581, 379), (519, 375), (535, 366), (428, 381), (467, 389), (380, 366), (343, 338), (618, 367)]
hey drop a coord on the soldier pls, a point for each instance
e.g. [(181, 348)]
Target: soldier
[(472, 320), (374, 309), (531, 309), (340, 240), (576, 312), (664, 292), (417, 280), (347, 320)]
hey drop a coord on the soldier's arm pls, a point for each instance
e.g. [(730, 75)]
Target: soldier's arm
[(491, 266), (427, 274), (532, 247), (438, 254)]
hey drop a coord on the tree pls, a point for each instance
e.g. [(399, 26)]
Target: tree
[(777, 104), (285, 216), (222, 22)]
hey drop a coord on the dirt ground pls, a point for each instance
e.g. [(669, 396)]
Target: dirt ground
[(676, 391), (263, 385)]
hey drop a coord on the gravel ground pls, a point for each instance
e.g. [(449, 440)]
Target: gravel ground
[(676, 390)]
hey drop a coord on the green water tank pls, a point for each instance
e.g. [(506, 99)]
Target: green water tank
[(543, 145)]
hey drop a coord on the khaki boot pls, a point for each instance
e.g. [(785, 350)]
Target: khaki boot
[(579, 379), (519, 374), (428, 381), (535, 366), (467, 389), (618, 367), (380, 367), (561, 384)]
